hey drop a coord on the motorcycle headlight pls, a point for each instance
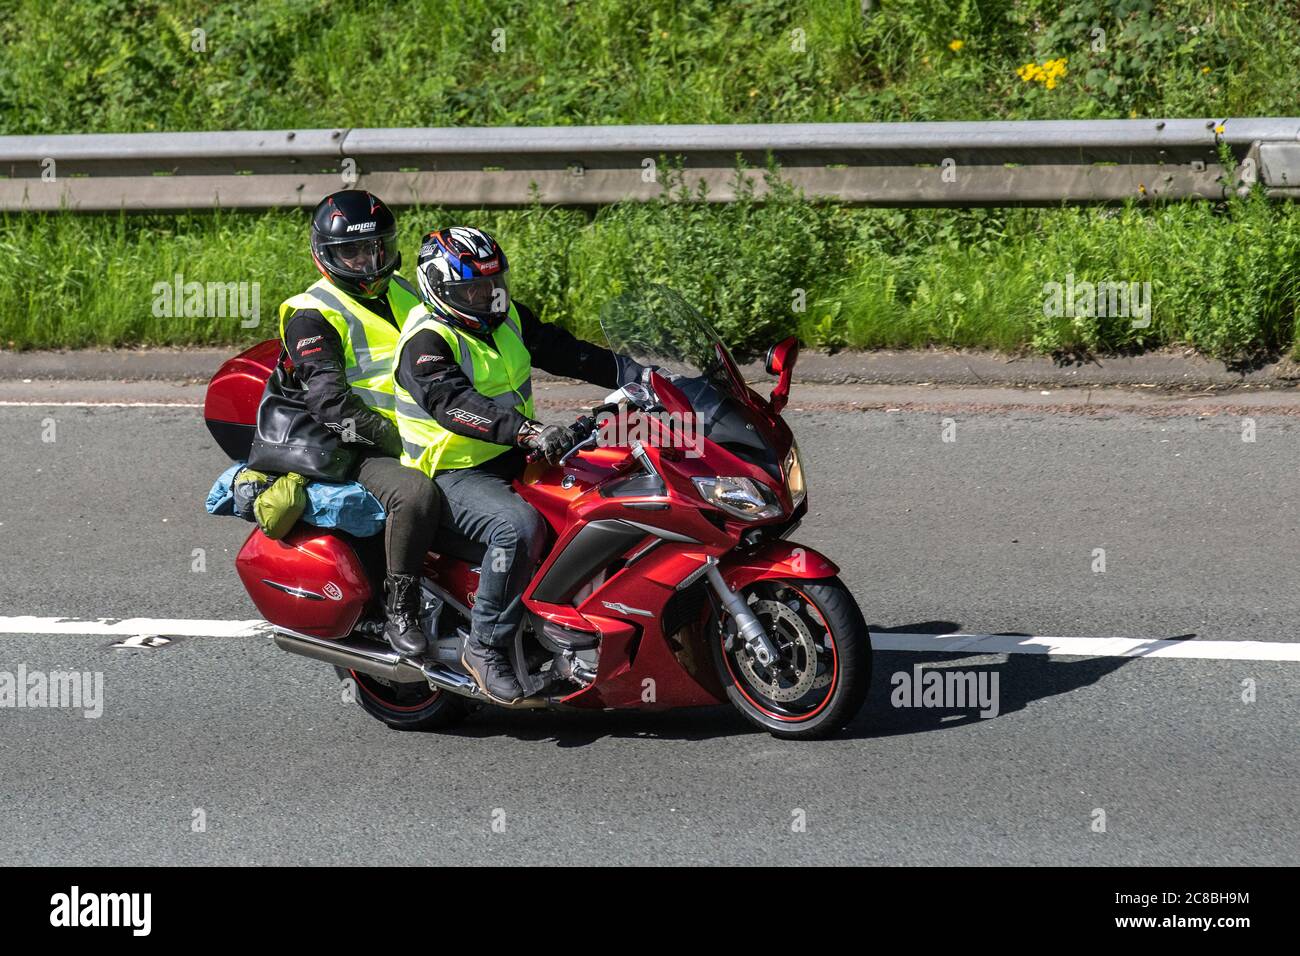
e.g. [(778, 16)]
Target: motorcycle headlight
[(794, 476), (742, 497)]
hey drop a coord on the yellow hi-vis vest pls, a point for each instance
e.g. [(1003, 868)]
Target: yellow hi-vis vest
[(502, 373), (369, 340)]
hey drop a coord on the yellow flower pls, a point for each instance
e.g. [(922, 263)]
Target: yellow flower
[(1205, 69), (1047, 74), (1219, 129), (753, 93), (956, 45)]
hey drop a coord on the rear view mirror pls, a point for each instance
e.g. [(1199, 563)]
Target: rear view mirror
[(780, 362)]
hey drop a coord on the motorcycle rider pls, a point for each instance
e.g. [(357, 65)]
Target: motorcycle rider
[(341, 334), (465, 412)]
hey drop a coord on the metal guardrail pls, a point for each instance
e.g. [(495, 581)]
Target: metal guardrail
[(903, 164)]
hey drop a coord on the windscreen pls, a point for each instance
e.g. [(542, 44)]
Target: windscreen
[(656, 326)]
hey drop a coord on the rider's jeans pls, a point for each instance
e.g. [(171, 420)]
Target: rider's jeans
[(480, 503)]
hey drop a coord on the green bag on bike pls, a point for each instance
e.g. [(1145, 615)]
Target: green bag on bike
[(279, 507)]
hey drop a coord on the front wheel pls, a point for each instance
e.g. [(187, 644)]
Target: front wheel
[(819, 681), (404, 706)]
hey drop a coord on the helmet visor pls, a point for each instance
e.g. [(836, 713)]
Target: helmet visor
[(359, 258), (482, 297)]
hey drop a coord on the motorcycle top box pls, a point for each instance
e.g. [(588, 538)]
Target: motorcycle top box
[(669, 579), (230, 406)]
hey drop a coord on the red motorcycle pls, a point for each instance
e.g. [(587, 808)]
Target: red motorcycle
[(669, 581)]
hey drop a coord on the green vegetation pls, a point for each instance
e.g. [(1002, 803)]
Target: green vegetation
[(1220, 278), (131, 65)]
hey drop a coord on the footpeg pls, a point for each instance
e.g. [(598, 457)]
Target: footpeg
[(447, 679)]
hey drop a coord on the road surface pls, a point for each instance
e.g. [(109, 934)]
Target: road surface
[(222, 749)]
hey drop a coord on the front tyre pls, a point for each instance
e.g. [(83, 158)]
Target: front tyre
[(404, 706), (820, 679)]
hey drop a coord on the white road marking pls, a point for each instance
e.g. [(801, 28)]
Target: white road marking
[(1191, 649), (144, 640), (131, 627), (13, 404)]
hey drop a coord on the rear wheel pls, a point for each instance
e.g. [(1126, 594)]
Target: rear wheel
[(819, 680), (405, 706)]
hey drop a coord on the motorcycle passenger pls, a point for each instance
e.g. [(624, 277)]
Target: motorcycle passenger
[(465, 412), (341, 334)]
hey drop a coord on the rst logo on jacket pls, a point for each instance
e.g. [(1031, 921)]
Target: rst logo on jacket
[(469, 418), (303, 343), (430, 357)]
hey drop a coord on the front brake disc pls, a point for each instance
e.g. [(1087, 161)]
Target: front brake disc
[(792, 636)]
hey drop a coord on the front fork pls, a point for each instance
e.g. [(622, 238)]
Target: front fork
[(775, 560), (750, 628)]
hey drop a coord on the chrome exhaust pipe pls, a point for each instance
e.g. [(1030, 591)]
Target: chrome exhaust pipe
[(352, 655), (376, 661)]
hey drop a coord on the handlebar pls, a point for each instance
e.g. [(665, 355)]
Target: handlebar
[(582, 431)]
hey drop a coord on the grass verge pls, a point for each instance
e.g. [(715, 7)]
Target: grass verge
[(1219, 279)]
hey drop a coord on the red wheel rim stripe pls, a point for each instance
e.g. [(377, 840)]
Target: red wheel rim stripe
[(835, 671), (391, 706)]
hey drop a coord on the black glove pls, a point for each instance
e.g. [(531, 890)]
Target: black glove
[(551, 441)]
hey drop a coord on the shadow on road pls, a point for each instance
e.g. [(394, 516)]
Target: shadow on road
[(1021, 680), (580, 729)]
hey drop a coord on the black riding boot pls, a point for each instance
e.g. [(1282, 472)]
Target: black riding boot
[(403, 627)]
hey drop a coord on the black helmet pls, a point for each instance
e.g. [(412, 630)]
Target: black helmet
[(462, 276), (354, 242)]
